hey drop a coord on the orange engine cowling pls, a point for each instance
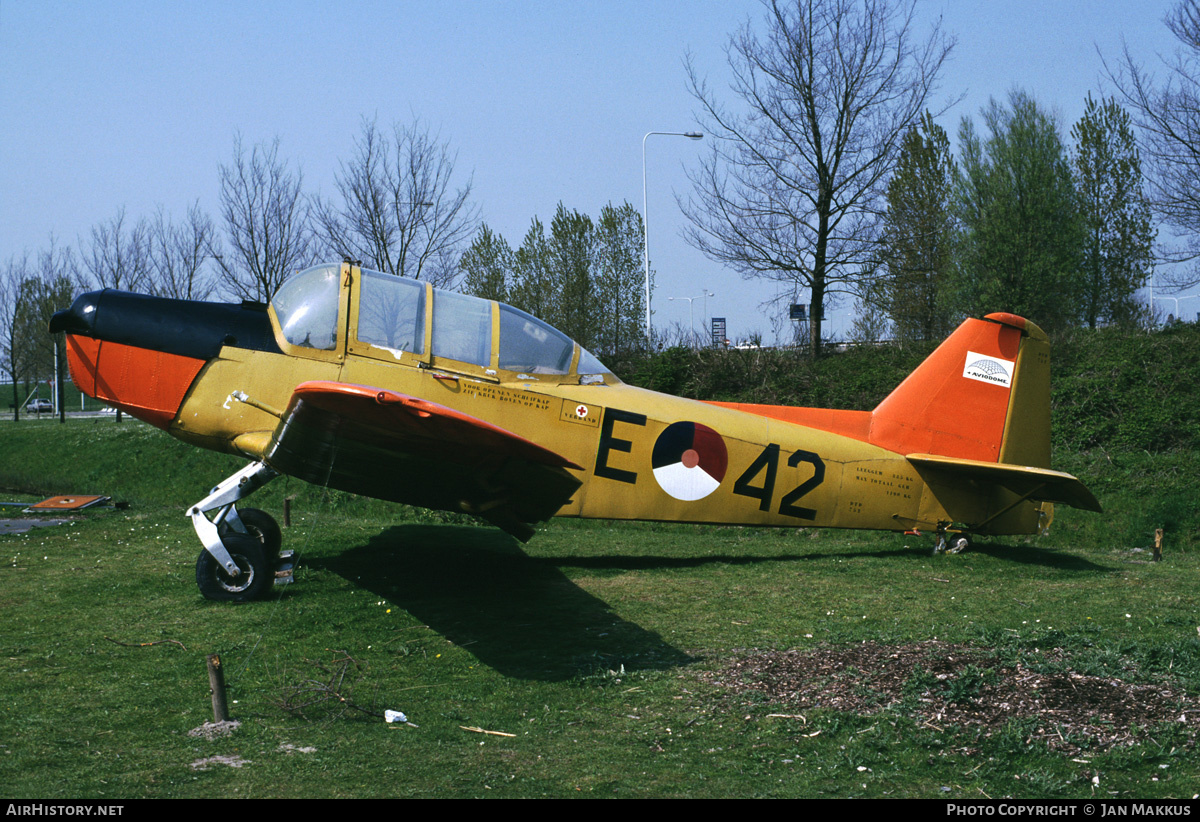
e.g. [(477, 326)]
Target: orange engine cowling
[(147, 384), (142, 353)]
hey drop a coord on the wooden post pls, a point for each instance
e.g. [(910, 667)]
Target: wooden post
[(1158, 544), (216, 682)]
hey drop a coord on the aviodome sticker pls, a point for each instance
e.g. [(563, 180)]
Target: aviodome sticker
[(989, 369), (689, 460)]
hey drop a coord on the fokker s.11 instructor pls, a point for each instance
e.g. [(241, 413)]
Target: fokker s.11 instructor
[(390, 388)]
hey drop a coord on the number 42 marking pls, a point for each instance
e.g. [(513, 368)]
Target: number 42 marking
[(768, 463)]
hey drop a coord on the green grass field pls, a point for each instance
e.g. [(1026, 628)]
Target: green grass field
[(599, 659)]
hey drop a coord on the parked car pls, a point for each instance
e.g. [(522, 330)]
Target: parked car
[(38, 406)]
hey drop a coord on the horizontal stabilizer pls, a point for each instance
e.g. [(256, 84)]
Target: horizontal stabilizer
[(1040, 484)]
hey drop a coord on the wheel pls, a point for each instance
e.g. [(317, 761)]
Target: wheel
[(256, 577), (958, 544), (262, 526)]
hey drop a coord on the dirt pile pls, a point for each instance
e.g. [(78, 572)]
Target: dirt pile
[(942, 685)]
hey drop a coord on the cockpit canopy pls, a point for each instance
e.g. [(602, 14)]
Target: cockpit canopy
[(391, 315), (307, 308)]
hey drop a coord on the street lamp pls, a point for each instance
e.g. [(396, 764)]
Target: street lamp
[(691, 135), (692, 310), (1178, 300)]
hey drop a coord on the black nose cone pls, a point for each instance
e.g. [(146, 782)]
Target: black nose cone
[(187, 328), (80, 318)]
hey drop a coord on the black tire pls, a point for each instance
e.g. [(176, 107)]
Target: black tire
[(261, 524), (256, 578)]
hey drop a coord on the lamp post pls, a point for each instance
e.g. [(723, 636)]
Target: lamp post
[(692, 311), (1178, 300), (691, 135)]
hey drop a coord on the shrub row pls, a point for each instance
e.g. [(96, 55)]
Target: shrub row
[(1109, 388)]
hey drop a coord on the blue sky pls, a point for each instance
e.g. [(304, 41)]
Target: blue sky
[(135, 104)]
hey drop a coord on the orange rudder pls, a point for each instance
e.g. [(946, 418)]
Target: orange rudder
[(984, 394)]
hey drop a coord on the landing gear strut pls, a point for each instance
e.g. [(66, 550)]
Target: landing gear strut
[(241, 559)]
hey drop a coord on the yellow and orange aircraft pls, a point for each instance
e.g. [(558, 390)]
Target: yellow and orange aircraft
[(390, 388)]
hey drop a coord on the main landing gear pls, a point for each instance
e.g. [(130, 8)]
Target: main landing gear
[(242, 557)]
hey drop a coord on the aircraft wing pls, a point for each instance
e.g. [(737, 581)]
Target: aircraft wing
[(392, 446), (1041, 484)]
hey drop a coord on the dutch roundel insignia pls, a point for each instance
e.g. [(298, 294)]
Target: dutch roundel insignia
[(689, 460)]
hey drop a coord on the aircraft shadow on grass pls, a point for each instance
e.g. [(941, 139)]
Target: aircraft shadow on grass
[(520, 616), (1033, 555), (523, 617), (1024, 554)]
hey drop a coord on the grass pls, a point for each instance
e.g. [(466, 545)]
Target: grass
[(587, 645)]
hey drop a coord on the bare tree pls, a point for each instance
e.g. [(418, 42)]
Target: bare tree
[(119, 255), (266, 223), (1165, 112), (399, 211), (14, 353), (38, 290), (179, 255), (792, 189)]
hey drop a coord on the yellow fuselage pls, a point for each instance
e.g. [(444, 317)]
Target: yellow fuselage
[(778, 474)]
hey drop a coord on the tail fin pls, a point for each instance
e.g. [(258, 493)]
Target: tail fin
[(974, 420), (984, 395)]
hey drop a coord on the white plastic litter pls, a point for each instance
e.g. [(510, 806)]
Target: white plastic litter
[(394, 716)]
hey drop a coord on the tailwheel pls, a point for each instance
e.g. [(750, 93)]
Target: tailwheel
[(255, 573), (950, 542), (957, 544)]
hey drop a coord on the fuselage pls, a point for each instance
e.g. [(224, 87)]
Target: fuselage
[(639, 454)]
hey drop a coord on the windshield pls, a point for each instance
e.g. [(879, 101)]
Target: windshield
[(307, 307)]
